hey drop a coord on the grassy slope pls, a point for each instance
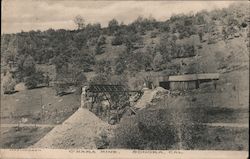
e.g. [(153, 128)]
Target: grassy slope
[(21, 137), (28, 104)]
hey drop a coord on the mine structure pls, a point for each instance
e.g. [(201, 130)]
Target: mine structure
[(109, 101)]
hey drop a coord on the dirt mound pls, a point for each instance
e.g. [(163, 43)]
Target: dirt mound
[(79, 131)]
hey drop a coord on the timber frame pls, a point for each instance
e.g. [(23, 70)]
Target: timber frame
[(113, 94)]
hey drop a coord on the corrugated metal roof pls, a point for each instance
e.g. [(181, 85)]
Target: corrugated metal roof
[(192, 77)]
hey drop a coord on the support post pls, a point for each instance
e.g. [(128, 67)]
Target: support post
[(238, 91)]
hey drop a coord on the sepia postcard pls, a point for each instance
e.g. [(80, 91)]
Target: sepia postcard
[(105, 79)]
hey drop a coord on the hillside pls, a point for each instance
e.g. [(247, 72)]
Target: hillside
[(202, 42)]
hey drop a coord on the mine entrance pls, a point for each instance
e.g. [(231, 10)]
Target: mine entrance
[(164, 84)]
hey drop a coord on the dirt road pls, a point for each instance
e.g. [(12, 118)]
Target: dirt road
[(27, 125)]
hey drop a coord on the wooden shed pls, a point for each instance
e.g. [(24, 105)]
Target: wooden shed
[(186, 82), (183, 82)]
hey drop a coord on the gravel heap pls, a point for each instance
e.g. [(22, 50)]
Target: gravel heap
[(78, 131)]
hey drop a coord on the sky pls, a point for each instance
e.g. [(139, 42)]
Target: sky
[(26, 15)]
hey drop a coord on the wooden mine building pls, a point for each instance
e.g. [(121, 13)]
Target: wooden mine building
[(187, 82)]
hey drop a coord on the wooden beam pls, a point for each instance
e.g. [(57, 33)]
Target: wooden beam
[(132, 110)]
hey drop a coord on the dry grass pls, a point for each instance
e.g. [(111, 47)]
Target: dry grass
[(28, 104), (22, 137)]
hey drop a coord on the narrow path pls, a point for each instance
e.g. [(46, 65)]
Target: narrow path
[(238, 125), (146, 98), (27, 125)]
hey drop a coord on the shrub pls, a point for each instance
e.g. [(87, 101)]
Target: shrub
[(80, 79), (101, 40), (243, 25), (103, 66), (127, 135), (117, 40), (164, 27), (153, 34), (61, 89), (200, 33), (99, 49), (120, 64), (192, 68), (101, 78), (8, 85), (30, 82), (147, 130), (161, 128), (33, 80), (102, 142), (120, 67), (211, 40), (113, 26), (157, 62)]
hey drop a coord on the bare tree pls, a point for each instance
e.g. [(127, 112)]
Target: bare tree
[(79, 21)]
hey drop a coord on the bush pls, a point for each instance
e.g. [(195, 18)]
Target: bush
[(120, 64), (113, 26), (80, 79), (164, 27), (153, 34), (147, 130), (100, 78), (120, 67), (102, 142), (172, 69), (8, 85), (157, 62), (243, 25), (99, 49), (61, 89), (211, 40), (33, 80), (162, 128), (117, 40), (127, 135), (103, 66), (30, 82), (101, 40)]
